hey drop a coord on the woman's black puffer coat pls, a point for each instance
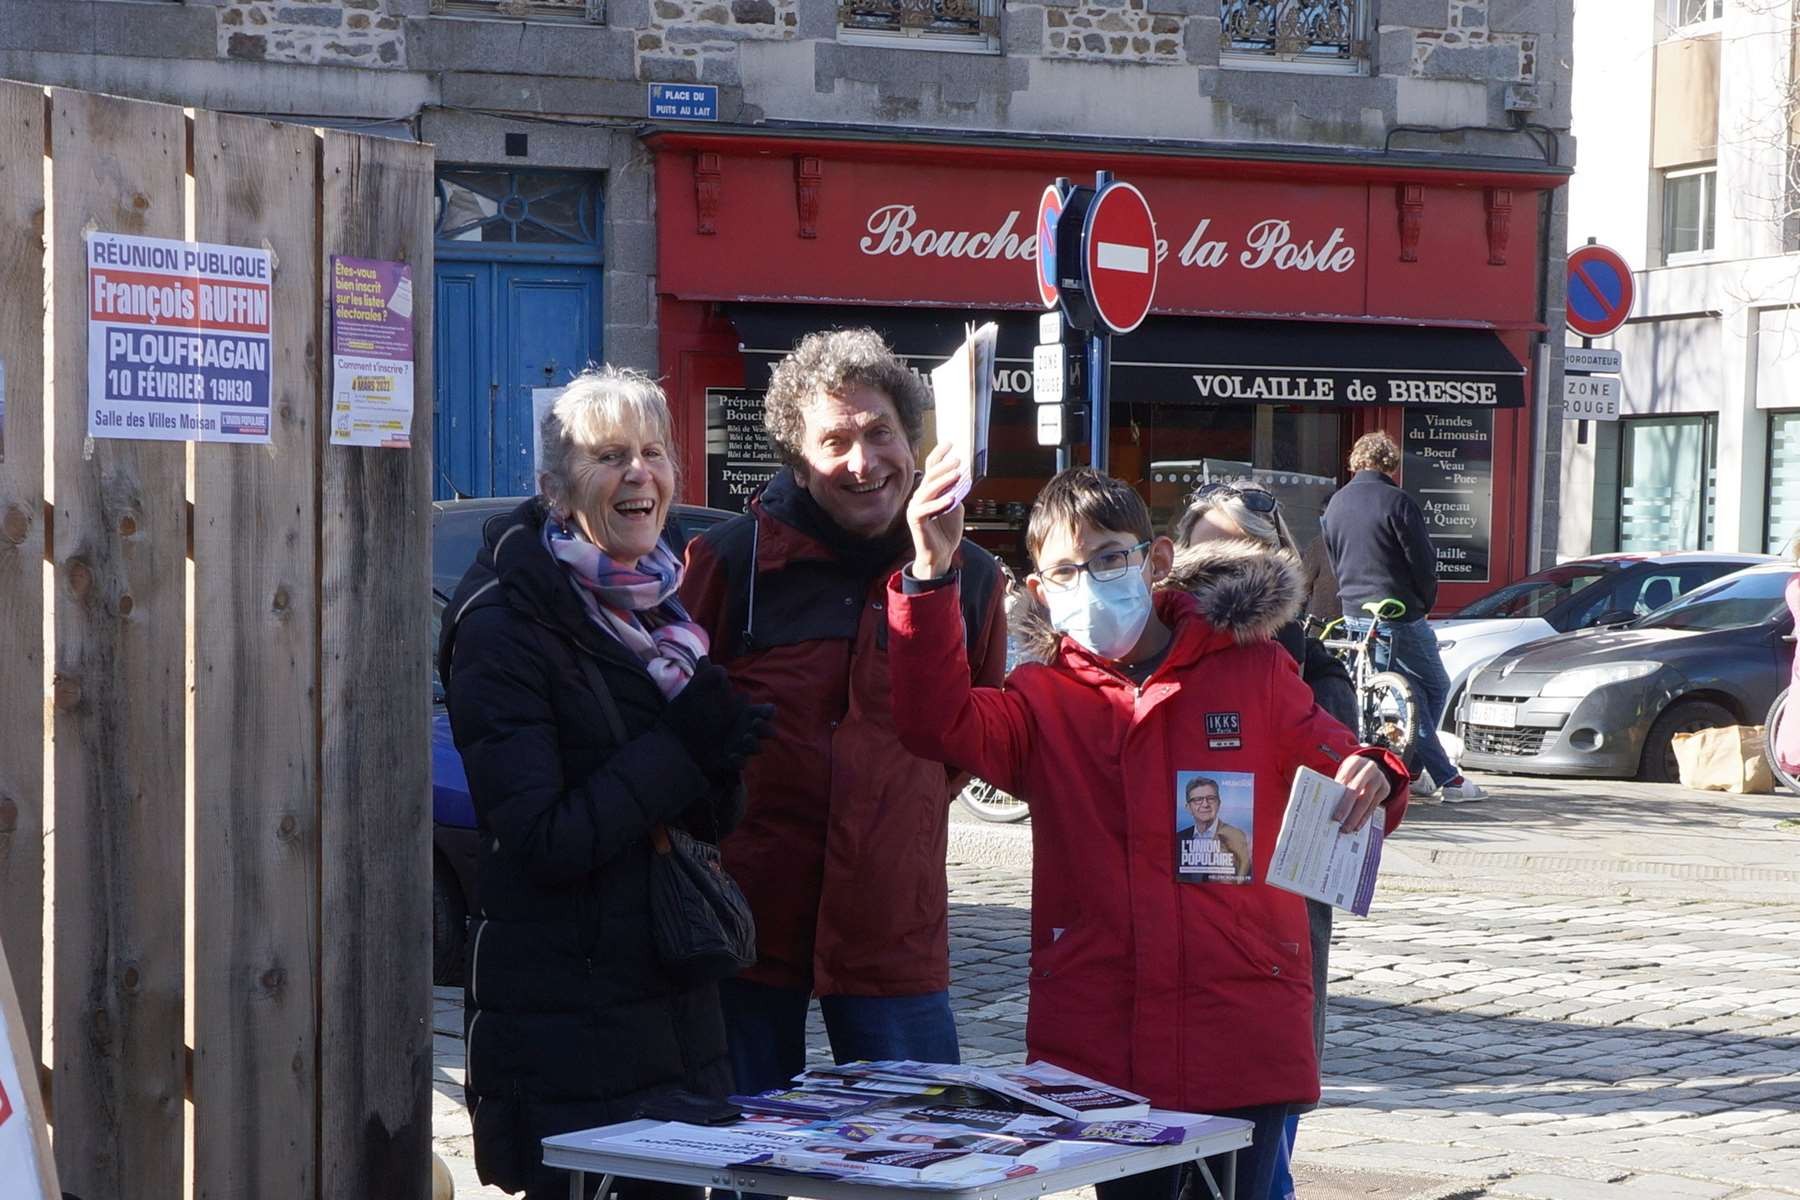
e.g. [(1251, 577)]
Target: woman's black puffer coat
[(570, 1020)]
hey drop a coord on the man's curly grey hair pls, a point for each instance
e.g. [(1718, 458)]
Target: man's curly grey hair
[(601, 403), (833, 363)]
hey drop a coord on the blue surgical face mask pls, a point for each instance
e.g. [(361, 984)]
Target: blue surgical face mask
[(1107, 618)]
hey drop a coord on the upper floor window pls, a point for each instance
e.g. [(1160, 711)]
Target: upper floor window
[(1685, 13), (1317, 33), (937, 24), (518, 10), (1687, 204)]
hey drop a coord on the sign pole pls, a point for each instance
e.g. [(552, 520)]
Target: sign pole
[(1099, 379), (1099, 376)]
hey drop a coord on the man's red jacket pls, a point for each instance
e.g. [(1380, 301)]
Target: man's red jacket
[(1196, 994), (841, 850)]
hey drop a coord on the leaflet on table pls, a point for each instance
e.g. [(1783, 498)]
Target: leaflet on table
[(798, 1151), (1038, 1084), (1315, 857), (962, 390), (806, 1102)]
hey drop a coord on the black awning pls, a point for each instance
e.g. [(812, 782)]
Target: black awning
[(1196, 360)]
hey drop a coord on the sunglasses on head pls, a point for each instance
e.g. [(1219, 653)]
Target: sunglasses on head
[(1255, 499)]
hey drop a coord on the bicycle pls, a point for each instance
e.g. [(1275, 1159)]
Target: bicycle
[(1387, 711), (991, 804), (1778, 711)]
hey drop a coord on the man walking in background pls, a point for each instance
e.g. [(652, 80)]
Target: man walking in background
[(1380, 549)]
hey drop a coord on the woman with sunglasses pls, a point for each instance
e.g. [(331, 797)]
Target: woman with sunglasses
[(1224, 523)]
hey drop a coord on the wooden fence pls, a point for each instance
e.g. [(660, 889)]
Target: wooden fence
[(214, 688)]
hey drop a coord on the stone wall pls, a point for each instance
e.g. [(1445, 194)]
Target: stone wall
[(352, 33), (688, 41), (1122, 31)]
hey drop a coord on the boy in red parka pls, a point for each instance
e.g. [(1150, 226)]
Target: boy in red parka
[(1157, 963)]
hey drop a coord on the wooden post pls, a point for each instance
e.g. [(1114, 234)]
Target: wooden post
[(22, 744), (256, 716), (375, 767), (121, 543)]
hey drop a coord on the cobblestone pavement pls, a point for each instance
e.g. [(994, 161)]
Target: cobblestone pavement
[(1489, 1037)]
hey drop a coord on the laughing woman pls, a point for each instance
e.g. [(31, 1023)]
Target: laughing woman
[(588, 717)]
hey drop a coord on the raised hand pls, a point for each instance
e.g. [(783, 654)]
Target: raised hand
[(935, 516)]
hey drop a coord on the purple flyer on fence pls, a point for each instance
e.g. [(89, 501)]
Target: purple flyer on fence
[(371, 353)]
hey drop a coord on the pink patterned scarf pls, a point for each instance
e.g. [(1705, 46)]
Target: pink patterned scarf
[(635, 604)]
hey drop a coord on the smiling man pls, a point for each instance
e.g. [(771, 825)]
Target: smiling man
[(841, 852)]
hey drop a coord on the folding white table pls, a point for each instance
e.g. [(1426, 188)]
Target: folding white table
[(585, 1153)]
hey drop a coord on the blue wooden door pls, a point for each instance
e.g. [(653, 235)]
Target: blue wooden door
[(504, 329)]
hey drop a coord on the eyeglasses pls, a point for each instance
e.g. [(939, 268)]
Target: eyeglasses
[(1104, 567), (1255, 499)]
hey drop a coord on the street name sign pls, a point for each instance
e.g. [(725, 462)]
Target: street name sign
[(1600, 290), (684, 102)]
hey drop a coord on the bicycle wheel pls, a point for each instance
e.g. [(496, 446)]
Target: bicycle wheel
[(991, 804), (1777, 711), (1390, 713)]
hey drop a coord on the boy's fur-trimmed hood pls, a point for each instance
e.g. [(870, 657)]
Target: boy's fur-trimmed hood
[(1240, 587)]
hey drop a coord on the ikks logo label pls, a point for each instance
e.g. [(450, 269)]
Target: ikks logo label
[(1224, 731), (1273, 243)]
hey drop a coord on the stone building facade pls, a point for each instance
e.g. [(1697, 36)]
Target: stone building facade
[(560, 85)]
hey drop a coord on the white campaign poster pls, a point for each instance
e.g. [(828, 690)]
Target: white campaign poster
[(178, 340)]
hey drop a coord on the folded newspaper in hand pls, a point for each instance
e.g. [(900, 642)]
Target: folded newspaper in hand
[(1315, 857), (963, 390)]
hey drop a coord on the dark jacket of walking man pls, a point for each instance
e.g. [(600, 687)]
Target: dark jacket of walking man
[(841, 850), (1380, 548)]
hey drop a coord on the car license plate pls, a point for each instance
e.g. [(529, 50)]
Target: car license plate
[(1489, 712)]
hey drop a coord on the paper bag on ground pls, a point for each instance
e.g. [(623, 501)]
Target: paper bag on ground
[(1315, 858), (962, 389), (1724, 760)]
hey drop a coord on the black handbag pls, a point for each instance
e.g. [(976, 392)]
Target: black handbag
[(700, 923)]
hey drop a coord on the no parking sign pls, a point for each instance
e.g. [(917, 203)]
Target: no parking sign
[(1600, 290)]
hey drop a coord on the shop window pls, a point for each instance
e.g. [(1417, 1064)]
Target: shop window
[(972, 25), (1665, 484), (1781, 524), (524, 10), (535, 211), (1297, 34), (1688, 200), (1685, 15), (1296, 453)]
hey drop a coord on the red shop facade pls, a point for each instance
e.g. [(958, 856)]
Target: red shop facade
[(1299, 305)]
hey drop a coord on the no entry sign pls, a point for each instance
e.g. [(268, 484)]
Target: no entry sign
[(1119, 257), (1050, 207), (1600, 290)]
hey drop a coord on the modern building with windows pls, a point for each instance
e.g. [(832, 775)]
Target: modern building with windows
[(1685, 113), (1361, 205)]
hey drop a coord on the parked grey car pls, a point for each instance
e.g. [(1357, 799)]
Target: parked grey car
[(1606, 702)]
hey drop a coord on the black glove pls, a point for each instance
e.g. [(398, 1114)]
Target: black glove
[(716, 723)]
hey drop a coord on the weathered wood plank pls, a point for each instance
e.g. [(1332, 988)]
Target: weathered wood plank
[(256, 879), (375, 770), (121, 546), (22, 744)]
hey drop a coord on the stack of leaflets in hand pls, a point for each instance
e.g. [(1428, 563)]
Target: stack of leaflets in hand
[(1313, 854)]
